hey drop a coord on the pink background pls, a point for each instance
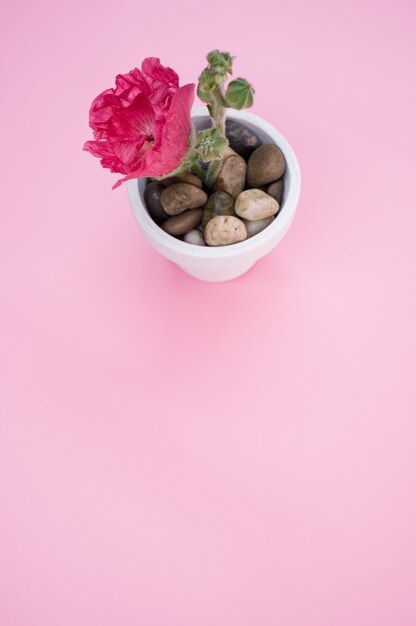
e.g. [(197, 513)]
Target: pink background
[(175, 453)]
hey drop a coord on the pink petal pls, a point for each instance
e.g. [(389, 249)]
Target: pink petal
[(174, 141), (177, 129), (163, 82), (104, 151), (134, 121), (128, 152), (153, 70), (99, 148), (101, 111), (129, 86)]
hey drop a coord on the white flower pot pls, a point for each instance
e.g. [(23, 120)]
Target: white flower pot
[(223, 263)]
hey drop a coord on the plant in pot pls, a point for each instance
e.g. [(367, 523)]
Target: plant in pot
[(213, 188)]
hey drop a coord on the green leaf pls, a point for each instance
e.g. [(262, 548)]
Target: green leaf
[(239, 94), (211, 144)]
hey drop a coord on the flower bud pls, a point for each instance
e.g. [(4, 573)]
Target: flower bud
[(239, 94)]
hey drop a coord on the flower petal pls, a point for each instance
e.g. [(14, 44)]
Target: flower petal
[(174, 141), (129, 86), (99, 148), (104, 151), (153, 70), (101, 111), (132, 122), (130, 151), (177, 129), (163, 82)]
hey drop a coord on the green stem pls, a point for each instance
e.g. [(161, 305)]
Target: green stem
[(217, 115), (198, 170), (217, 109), (213, 170)]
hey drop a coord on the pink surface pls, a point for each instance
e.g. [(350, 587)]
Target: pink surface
[(175, 453)]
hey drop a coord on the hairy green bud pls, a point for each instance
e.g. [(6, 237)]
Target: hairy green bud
[(211, 144), (239, 94), (221, 60)]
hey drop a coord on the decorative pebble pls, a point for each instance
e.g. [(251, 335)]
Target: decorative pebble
[(219, 203), (189, 178), (253, 228), (229, 215), (181, 196), (232, 176), (183, 223), (241, 138), (227, 152), (224, 230), (265, 165), (254, 204), (152, 199), (275, 190), (195, 237)]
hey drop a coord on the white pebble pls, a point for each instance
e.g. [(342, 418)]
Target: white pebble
[(194, 237)]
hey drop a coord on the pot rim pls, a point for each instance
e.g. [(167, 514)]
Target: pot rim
[(281, 221)]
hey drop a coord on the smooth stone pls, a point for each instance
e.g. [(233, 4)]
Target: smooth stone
[(154, 206), (254, 204), (232, 176), (241, 138), (182, 223), (275, 190), (265, 165), (224, 230), (227, 152), (195, 237), (180, 197), (253, 228), (189, 178), (219, 203)]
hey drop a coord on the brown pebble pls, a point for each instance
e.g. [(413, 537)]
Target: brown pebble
[(275, 190), (232, 176), (154, 206), (189, 178), (219, 203), (183, 223), (181, 196), (265, 165), (241, 138)]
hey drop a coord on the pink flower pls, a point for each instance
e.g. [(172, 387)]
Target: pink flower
[(141, 128)]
